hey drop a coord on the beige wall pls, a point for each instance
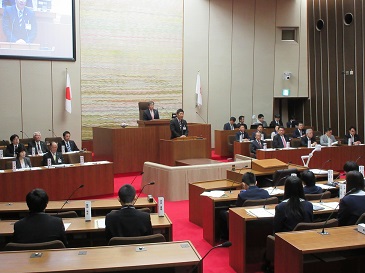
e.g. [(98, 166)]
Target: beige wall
[(233, 43)]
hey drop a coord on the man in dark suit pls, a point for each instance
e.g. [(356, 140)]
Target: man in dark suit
[(19, 23), (179, 126), (150, 113), (260, 129), (128, 221), (280, 140), (299, 131), (230, 125), (70, 145), (257, 143), (56, 157), (276, 121), (11, 148), (355, 139), (241, 121), (38, 227), (308, 136), (241, 135), (39, 146)]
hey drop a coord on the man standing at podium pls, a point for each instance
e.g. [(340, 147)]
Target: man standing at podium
[(150, 113), (179, 126)]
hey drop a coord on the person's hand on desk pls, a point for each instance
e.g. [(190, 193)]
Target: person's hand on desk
[(183, 136)]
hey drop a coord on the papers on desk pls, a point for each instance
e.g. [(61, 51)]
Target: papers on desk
[(1, 171), (318, 171), (35, 168), (213, 193), (275, 191), (96, 162), (261, 212), (267, 150), (66, 225), (62, 165), (331, 205), (325, 187), (100, 223)]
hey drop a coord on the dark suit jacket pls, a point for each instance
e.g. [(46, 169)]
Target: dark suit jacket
[(239, 124), (273, 123), (39, 228), (12, 2), (283, 221), (33, 144), (127, 222), (9, 151), (13, 31), (277, 142), (304, 141), (227, 126), (175, 128), (298, 134), (312, 190), (245, 135), (27, 162), (350, 209), (252, 193), (253, 136), (255, 145), (147, 114), (59, 158), (356, 138), (72, 145)]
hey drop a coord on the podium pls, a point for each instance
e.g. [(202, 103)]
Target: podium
[(268, 165), (182, 148), (155, 122)]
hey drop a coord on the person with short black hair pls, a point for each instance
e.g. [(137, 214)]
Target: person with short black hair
[(38, 227), (250, 190), (151, 113), (13, 146), (22, 161), (259, 129), (231, 125), (352, 205), (69, 144), (280, 140), (128, 221), (309, 181), (350, 166), (299, 131), (178, 125), (355, 138), (276, 121), (241, 135), (326, 137), (294, 208), (261, 120), (241, 121)]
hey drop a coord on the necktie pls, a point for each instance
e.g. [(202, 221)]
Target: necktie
[(54, 157), (152, 115), (68, 146), (39, 148), (260, 144), (20, 18), (284, 142)]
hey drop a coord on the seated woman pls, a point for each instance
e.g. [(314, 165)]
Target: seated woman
[(309, 181), (294, 208), (22, 161), (353, 205)]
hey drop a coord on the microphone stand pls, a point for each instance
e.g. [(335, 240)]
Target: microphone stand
[(81, 186), (151, 183), (275, 186), (136, 177), (24, 133), (201, 117)]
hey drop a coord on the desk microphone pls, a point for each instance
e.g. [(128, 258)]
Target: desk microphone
[(230, 191), (323, 232), (320, 169), (136, 177), (333, 184), (225, 244), (5, 143), (24, 133), (79, 187), (201, 117), (275, 186), (54, 135), (151, 183)]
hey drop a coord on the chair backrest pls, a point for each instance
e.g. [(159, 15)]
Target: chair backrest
[(74, 158), (25, 141), (142, 105), (279, 176), (317, 196), (315, 225), (230, 141), (295, 142), (56, 244), (65, 214), (48, 140), (9, 164), (259, 202), (361, 219), (5, 142), (154, 238)]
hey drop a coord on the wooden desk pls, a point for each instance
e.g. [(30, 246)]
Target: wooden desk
[(177, 255), (195, 189), (292, 247), (79, 225), (17, 210), (97, 178), (248, 235), (338, 155), (182, 148), (130, 147)]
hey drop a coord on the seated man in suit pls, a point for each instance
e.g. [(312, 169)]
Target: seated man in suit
[(308, 137), (276, 121), (260, 129), (178, 125), (150, 113), (355, 139), (257, 143), (127, 221), (299, 131), (40, 147), (38, 227), (241, 120), (327, 137), (230, 125), (291, 123), (56, 157), (280, 140), (261, 120), (241, 135), (14, 144), (70, 145)]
